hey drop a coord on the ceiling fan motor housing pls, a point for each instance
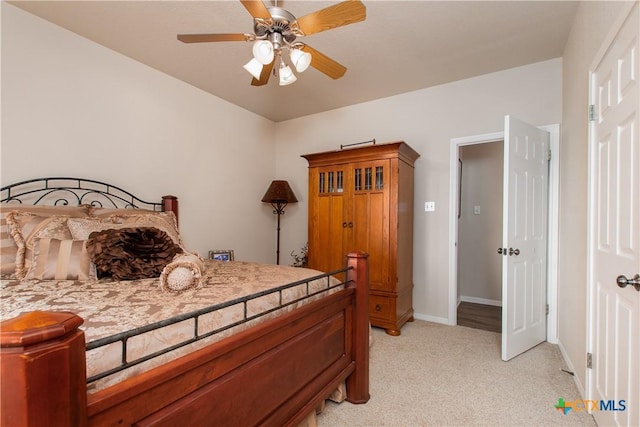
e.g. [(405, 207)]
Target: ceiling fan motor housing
[(281, 22)]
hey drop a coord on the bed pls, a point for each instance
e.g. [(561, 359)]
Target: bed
[(246, 347)]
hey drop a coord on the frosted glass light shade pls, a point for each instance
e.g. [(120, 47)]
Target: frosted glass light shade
[(286, 76), (300, 59), (254, 67), (263, 51)]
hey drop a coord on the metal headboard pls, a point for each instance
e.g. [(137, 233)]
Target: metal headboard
[(74, 191)]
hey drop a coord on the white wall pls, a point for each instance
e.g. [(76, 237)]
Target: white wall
[(427, 120), (72, 107), (592, 23), (480, 233)]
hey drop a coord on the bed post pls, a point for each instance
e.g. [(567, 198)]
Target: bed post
[(358, 381), (43, 370), (170, 204)]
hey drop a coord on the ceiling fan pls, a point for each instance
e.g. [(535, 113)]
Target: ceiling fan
[(276, 29)]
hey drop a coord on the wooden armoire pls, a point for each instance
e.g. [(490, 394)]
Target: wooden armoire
[(362, 199)]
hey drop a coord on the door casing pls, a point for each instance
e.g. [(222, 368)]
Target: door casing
[(552, 251)]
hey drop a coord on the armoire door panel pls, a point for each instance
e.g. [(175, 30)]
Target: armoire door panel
[(326, 216), (371, 230), (370, 207), (329, 256)]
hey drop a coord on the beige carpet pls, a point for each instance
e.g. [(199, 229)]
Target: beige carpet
[(437, 375)]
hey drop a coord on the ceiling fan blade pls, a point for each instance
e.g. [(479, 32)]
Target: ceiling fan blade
[(264, 75), (256, 8), (324, 64), (340, 14), (204, 38)]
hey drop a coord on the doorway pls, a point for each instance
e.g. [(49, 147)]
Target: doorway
[(479, 234), (458, 144)]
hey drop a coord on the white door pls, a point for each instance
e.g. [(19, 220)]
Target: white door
[(524, 240), (614, 228)]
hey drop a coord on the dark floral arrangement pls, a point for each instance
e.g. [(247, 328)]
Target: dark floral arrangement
[(300, 260)]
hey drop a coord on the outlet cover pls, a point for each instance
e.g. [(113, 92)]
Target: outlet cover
[(429, 206)]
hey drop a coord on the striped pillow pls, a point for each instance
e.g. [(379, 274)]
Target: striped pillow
[(8, 246), (26, 227), (57, 259)]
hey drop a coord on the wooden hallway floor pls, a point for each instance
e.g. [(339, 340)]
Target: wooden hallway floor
[(480, 316)]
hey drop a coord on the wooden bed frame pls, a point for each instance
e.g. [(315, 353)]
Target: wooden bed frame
[(275, 373)]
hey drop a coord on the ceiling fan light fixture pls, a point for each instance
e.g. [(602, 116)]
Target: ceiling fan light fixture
[(254, 67), (263, 51), (276, 29), (300, 59), (286, 75)]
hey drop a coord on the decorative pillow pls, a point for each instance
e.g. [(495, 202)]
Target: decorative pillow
[(25, 227), (8, 247), (131, 253), (56, 259), (165, 221), (182, 273), (81, 228)]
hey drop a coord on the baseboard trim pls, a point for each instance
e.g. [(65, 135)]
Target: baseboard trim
[(434, 319), (571, 368), (484, 301)]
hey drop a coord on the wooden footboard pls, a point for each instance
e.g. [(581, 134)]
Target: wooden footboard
[(271, 374)]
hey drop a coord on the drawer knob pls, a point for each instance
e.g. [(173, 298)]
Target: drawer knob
[(378, 308)]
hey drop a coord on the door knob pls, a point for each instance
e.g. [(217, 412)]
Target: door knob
[(502, 251), (515, 252), (622, 281)]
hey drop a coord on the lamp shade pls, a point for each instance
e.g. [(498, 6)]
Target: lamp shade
[(263, 51), (301, 60), (286, 76), (254, 67), (279, 192)]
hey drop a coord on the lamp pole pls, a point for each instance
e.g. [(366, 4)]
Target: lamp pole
[(278, 209)]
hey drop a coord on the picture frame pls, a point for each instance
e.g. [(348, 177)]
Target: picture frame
[(221, 255)]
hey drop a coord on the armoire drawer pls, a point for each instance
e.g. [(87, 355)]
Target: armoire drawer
[(379, 307)]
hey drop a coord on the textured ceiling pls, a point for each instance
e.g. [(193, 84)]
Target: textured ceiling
[(402, 45)]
